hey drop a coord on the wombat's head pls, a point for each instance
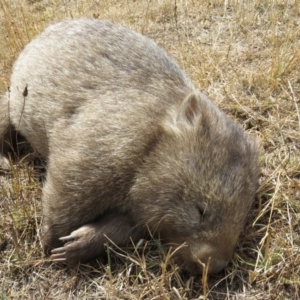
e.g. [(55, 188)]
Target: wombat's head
[(198, 184)]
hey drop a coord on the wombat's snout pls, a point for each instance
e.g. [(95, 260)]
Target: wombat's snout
[(206, 257)]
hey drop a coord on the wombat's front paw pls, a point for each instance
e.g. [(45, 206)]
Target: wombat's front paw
[(81, 245)]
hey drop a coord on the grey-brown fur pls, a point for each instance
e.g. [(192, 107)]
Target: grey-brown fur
[(130, 144)]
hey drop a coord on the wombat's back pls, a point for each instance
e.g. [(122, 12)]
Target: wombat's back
[(80, 67)]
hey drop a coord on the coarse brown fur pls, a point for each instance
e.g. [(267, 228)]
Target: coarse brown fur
[(130, 144)]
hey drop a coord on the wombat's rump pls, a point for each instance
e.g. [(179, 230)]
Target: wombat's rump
[(130, 144)]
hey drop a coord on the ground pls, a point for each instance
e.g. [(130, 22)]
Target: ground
[(245, 56)]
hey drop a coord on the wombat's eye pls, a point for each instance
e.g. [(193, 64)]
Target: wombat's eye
[(201, 209)]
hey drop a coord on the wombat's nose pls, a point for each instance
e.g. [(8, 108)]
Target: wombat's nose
[(214, 260), (216, 265)]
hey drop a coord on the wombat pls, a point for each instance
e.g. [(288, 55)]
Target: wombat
[(131, 146)]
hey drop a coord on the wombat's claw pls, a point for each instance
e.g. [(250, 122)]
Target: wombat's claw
[(67, 238), (59, 254), (4, 163)]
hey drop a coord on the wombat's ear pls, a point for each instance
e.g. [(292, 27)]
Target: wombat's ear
[(190, 110), (187, 115)]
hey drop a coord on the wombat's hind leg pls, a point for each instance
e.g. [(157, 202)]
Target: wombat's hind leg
[(88, 241)]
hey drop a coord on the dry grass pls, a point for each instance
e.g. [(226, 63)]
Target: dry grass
[(245, 55)]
